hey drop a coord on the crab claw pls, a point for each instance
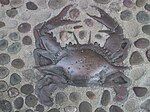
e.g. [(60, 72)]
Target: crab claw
[(105, 19)]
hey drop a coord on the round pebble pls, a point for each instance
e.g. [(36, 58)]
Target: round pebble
[(13, 92), (11, 12), (105, 98), (25, 16), (99, 110), (146, 105), (14, 48), (142, 43), (29, 75), (102, 1), (11, 24), (114, 6), (85, 107), (89, 22), (5, 2), (56, 4), (14, 36), (61, 98), (18, 63), (82, 34), (115, 108), (27, 89), (2, 24), (4, 59), (42, 3), (140, 91), (70, 109), (31, 100), (3, 34), (40, 108), (18, 103), (31, 6), (54, 110), (137, 73), (140, 3), (98, 36), (75, 97), (4, 72), (126, 15), (147, 7), (146, 29), (15, 79), (74, 13), (143, 17), (3, 44), (16, 3), (24, 27), (29, 110), (27, 40), (90, 95), (130, 105), (83, 4), (3, 86), (128, 3), (5, 106), (136, 58)]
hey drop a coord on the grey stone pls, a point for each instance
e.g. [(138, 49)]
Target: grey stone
[(54, 110), (16, 3), (40, 108), (146, 105), (3, 44), (82, 34), (140, 3), (142, 43), (24, 27), (12, 12), (146, 29), (15, 79), (61, 98), (143, 17), (105, 98), (75, 97), (29, 110), (5, 106), (3, 86), (140, 91), (70, 109), (56, 4), (99, 110), (4, 59), (31, 100), (14, 48), (4, 72), (85, 107), (18, 63), (147, 7), (126, 15), (31, 6), (13, 92), (2, 24), (115, 108), (15, 36), (128, 3), (27, 89), (114, 6), (27, 40), (90, 95), (3, 34), (18, 103), (5, 2)]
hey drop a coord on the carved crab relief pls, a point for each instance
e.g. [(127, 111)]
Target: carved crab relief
[(80, 65)]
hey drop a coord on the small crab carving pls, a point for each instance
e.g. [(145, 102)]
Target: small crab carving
[(80, 65)]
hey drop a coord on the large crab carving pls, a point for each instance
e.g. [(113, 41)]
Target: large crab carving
[(81, 65)]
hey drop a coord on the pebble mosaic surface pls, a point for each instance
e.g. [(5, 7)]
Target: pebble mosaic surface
[(17, 68)]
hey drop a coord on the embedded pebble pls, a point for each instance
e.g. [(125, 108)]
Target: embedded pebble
[(29, 110), (126, 15), (137, 73), (148, 54), (14, 36), (99, 110), (12, 24), (14, 48), (5, 106), (136, 58), (18, 63), (12, 12), (2, 13), (98, 36), (143, 17), (24, 27), (18, 103), (31, 100), (82, 34), (61, 98), (105, 99), (56, 4), (75, 97), (85, 107), (5, 2), (128, 3), (3, 33), (3, 86), (13, 92), (130, 105), (28, 74), (25, 16), (114, 6), (70, 109), (4, 72), (15, 79), (27, 40), (140, 3), (42, 3), (4, 59), (90, 95), (74, 13), (142, 43), (40, 108), (83, 4), (102, 1), (16, 3), (27, 89), (140, 91), (115, 108), (146, 105), (42, 16), (31, 6), (147, 7), (146, 29), (89, 22), (2, 24), (3, 44), (54, 110)]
